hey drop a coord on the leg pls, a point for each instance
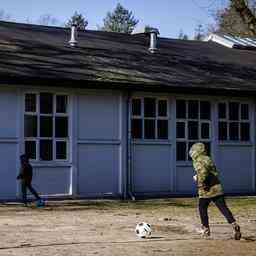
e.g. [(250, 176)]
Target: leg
[(203, 211), (24, 192), (32, 190)]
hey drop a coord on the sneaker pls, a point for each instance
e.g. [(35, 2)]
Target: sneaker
[(237, 232), (203, 231)]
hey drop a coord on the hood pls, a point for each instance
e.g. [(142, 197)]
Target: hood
[(198, 149)]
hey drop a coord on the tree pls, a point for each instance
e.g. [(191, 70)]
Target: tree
[(199, 33), (47, 20), (120, 20), (79, 20), (182, 36)]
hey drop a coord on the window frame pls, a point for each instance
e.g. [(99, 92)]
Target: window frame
[(186, 122), (54, 114), (155, 119), (239, 122)]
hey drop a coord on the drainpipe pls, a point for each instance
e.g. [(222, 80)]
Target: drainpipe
[(129, 149)]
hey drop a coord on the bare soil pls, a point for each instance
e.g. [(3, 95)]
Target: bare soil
[(106, 227)]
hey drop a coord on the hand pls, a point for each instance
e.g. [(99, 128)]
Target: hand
[(195, 178)]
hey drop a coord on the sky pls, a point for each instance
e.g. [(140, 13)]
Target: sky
[(169, 16)]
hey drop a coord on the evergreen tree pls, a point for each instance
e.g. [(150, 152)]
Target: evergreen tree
[(120, 20), (79, 20), (199, 33), (182, 36)]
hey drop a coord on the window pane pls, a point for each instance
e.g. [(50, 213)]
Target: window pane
[(205, 131), (233, 111), (136, 107), (208, 148), (149, 107), (244, 111), (190, 144), (61, 103), (61, 127), (30, 102), (136, 128), (181, 109), (205, 110), (193, 109), (149, 129), (46, 150), (61, 150), (46, 103), (162, 108), (180, 130), (46, 126), (30, 126), (192, 130), (245, 131), (181, 151), (30, 149), (162, 129), (223, 131), (222, 110), (233, 131)]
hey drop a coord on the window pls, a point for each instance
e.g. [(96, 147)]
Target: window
[(149, 118), (234, 122), (193, 120), (46, 126)]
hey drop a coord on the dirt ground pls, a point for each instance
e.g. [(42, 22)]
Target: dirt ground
[(106, 228)]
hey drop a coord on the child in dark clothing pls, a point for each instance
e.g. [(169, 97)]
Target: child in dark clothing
[(25, 175)]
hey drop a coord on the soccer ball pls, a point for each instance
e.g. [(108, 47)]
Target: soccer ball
[(143, 230)]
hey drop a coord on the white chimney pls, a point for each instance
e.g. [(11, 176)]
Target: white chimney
[(153, 32), (73, 42)]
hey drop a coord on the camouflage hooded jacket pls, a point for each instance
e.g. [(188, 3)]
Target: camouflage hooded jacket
[(206, 173)]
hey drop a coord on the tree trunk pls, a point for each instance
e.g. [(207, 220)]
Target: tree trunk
[(246, 14)]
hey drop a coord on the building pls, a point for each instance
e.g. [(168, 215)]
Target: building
[(108, 114)]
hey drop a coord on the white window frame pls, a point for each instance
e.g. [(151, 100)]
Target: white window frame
[(200, 122), (53, 115), (156, 118), (239, 121)]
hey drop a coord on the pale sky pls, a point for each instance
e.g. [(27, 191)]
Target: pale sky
[(169, 16)]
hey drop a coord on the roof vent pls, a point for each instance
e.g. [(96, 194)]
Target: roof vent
[(153, 32), (73, 42)]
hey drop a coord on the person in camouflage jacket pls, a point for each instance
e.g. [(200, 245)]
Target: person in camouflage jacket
[(209, 189)]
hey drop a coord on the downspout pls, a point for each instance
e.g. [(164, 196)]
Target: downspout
[(129, 149)]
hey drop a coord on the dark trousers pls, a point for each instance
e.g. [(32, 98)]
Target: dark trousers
[(220, 203), (24, 186)]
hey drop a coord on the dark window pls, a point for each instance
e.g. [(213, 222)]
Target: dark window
[(30, 149), (223, 131), (46, 126), (193, 109), (192, 130), (205, 131), (222, 110), (30, 102), (149, 107), (162, 129), (205, 110), (61, 103), (245, 131), (180, 130), (61, 150), (181, 151), (181, 109), (136, 128), (244, 111), (46, 150), (136, 107), (233, 111), (61, 127), (30, 126), (207, 148), (46, 103), (149, 129), (234, 131), (190, 144), (162, 108)]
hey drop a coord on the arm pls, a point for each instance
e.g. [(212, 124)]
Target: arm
[(202, 172)]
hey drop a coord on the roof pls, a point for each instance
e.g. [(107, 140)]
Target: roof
[(33, 53)]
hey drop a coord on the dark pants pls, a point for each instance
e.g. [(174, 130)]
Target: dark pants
[(24, 186), (220, 203)]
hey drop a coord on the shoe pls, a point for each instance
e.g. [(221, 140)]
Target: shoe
[(40, 203), (204, 231), (236, 230)]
